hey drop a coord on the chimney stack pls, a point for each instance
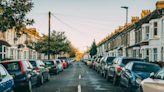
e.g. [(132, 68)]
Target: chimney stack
[(160, 4), (145, 13), (135, 19)]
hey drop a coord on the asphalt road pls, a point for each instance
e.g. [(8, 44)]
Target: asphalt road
[(78, 78)]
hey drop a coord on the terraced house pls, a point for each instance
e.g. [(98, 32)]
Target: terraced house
[(22, 47), (142, 38)]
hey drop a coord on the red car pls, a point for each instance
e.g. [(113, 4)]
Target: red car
[(64, 64)]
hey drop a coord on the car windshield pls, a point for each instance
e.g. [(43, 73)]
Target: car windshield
[(58, 62), (110, 59), (145, 67), (48, 62), (33, 63)]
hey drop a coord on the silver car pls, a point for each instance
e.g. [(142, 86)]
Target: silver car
[(155, 83)]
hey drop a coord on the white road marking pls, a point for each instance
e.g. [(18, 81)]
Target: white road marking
[(79, 88), (79, 76)]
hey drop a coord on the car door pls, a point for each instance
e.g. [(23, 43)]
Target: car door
[(43, 69), (112, 68), (125, 74), (155, 84), (31, 72), (3, 80), (159, 81)]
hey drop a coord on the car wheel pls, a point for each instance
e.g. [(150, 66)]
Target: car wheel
[(107, 78), (120, 85), (101, 73), (105, 74), (12, 90), (115, 80), (41, 80), (48, 77), (129, 89), (140, 89), (29, 87)]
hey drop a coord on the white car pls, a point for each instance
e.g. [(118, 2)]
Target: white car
[(155, 83)]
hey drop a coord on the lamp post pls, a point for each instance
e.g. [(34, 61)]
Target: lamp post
[(125, 7)]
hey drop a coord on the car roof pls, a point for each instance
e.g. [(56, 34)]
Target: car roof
[(12, 61), (140, 62), (128, 58)]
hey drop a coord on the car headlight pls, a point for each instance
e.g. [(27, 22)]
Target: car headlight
[(138, 81)]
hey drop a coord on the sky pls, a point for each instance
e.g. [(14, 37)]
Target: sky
[(85, 20)]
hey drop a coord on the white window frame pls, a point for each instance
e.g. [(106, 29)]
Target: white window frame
[(155, 27), (155, 54), (147, 30)]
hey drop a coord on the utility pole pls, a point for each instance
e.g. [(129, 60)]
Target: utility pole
[(49, 29)]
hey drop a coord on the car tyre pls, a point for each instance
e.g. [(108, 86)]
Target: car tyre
[(29, 87), (48, 77), (115, 80), (129, 89), (107, 78), (120, 85), (41, 80), (12, 90), (140, 89)]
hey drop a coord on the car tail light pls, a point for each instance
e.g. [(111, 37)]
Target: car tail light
[(37, 69), (119, 68), (22, 68)]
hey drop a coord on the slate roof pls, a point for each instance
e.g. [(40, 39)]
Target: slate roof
[(2, 42)]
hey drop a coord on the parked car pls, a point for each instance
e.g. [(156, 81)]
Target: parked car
[(43, 72), (52, 66), (94, 63), (115, 70), (89, 62), (155, 83), (59, 65), (135, 71), (64, 64), (6, 81), (99, 64), (23, 73), (105, 65)]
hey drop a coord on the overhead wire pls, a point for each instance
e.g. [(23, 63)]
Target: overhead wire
[(69, 26)]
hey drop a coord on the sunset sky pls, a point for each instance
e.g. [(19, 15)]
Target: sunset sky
[(85, 20)]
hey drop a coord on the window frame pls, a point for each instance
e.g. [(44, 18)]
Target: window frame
[(155, 29)]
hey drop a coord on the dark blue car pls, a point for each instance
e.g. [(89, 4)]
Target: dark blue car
[(24, 75), (135, 71), (6, 81)]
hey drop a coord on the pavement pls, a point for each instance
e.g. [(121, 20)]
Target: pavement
[(78, 78)]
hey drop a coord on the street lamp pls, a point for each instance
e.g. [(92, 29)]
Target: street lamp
[(126, 7)]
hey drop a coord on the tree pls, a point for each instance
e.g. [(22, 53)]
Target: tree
[(73, 51), (13, 14), (93, 50), (58, 43)]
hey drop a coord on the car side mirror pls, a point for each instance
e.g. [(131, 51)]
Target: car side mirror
[(0, 77), (42, 65), (127, 70), (123, 69), (152, 75), (29, 68)]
